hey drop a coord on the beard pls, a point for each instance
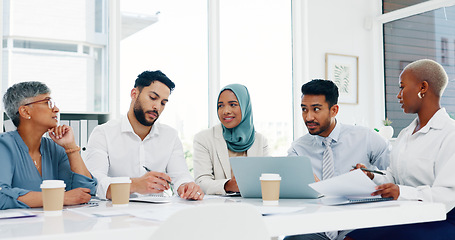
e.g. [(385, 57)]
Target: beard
[(139, 113), (321, 129)]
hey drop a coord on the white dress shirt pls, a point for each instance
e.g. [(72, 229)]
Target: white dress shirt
[(423, 163), (350, 145), (115, 150)]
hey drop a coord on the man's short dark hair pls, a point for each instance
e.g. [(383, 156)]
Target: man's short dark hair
[(322, 87), (148, 77)]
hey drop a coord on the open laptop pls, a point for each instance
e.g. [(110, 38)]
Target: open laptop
[(296, 173)]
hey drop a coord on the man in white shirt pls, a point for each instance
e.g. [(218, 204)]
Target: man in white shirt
[(138, 147), (349, 144)]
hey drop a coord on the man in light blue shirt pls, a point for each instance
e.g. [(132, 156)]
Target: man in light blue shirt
[(350, 144)]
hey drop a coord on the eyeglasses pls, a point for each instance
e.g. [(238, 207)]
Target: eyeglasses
[(50, 102)]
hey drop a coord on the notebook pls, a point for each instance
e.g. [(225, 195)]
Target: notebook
[(349, 199), (149, 198), (296, 173)]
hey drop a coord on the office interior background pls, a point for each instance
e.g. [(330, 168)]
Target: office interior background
[(89, 53)]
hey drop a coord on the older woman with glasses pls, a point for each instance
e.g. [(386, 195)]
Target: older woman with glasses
[(27, 158)]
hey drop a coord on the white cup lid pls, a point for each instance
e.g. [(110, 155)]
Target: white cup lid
[(53, 184), (120, 180), (270, 176)]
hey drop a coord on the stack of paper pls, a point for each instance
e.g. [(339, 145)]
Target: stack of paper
[(351, 187)]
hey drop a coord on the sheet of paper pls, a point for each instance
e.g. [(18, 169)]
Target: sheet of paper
[(158, 214), (110, 213), (273, 210), (353, 183), (213, 196), (151, 199), (15, 214)]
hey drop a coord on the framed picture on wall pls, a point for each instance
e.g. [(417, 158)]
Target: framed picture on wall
[(343, 70)]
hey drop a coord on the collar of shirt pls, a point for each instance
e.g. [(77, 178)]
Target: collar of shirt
[(126, 127), (436, 122), (20, 142), (334, 135)]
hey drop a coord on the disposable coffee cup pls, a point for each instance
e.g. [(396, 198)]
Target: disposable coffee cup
[(53, 192), (270, 186), (120, 191)]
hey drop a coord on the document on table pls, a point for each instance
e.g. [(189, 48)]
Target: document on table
[(158, 214), (150, 198), (15, 214), (351, 187), (274, 210)]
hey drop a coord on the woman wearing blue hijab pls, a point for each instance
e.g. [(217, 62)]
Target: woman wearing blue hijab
[(234, 137)]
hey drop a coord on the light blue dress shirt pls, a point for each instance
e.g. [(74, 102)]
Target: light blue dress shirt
[(18, 174), (350, 145)]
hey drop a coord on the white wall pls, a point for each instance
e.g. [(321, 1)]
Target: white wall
[(339, 27)]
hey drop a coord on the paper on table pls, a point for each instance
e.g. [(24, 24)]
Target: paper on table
[(15, 214), (268, 210), (158, 214), (110, 213), (352, 184), (152, 198)]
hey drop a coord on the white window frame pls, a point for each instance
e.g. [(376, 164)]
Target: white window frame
[(299, 55), (377, 28), (300, 62), (299, 59), (1, 64)]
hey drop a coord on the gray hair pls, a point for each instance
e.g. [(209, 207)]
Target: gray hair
[(432, 72), (17, 96)]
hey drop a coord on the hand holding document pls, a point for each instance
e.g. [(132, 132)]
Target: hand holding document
[(350, 187)]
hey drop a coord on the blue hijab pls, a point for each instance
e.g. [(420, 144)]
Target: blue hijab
[(241, 137)]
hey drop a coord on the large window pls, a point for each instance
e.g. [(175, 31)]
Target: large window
[(61, 43), (392, 5), (177, 45), (65, 44), (256, 50), (427, 35)]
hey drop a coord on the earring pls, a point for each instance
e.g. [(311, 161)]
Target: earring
[(29, 117), (419, 95)]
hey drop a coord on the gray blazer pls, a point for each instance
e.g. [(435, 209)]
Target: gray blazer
[(212, 168)]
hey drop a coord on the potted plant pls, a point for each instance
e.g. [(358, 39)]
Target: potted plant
[(386, 130)]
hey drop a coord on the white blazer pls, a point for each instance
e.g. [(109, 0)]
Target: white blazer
[(212, 168)]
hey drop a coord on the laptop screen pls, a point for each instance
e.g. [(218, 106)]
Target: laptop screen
[(296, 173)]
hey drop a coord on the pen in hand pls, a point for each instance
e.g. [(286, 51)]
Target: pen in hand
[(171, 185), (369, 170)]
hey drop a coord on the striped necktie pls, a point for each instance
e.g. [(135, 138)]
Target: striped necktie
[(327, 172), (327, 159)]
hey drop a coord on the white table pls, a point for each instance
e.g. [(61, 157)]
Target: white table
[(314, 217)]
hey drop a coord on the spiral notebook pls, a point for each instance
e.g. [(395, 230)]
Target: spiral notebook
[(351, 187), (330, 200)]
